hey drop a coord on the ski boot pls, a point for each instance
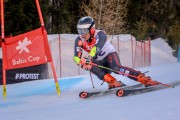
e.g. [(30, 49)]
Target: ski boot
[(146, 81), (113, 83)]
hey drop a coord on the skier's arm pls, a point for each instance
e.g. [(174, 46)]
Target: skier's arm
[(77, 50), (101, 39)]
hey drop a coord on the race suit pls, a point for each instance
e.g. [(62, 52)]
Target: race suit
[(105, 55)]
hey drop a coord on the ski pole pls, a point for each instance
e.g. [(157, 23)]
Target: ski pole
[(125, 74), (107, 68), (91, 80)]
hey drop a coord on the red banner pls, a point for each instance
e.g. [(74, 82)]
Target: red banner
[(27, 49)]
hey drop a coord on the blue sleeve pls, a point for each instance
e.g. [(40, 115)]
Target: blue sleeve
[(77, 48), (101, 37)]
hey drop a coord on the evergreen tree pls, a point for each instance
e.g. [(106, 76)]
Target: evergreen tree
[(64, 16), (22, 16)]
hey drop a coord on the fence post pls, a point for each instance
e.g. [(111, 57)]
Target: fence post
[(178, 59), (60, 55)]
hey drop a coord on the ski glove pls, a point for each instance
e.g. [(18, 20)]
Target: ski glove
[(85, 63), (87, 59)]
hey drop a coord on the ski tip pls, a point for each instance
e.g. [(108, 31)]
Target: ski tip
[(167, 85)]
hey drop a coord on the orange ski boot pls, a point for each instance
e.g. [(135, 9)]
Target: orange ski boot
[(113, 83), (146, 81)]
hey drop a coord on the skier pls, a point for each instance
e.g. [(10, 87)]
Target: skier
[(101, 52)]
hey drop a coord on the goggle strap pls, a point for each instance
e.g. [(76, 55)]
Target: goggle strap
[(91, 25)]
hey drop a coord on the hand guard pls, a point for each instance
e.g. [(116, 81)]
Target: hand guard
[(85, 63), (87, 59)]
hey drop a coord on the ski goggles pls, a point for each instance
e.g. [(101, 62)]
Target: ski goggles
[(83, 31)]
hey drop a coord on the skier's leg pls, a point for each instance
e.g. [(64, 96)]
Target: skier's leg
[(105, 75), (114, 63)]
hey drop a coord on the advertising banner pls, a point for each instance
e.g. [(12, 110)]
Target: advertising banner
[(25, 50), (31, 73)]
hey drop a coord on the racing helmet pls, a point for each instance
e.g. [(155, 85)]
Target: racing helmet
[(86, 25)]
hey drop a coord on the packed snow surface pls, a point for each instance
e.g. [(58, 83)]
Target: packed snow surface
[(38, 100)]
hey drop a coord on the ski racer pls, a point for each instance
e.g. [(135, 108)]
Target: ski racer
[(101, 52)]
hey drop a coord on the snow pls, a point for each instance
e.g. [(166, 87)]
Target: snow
[(37, 100)]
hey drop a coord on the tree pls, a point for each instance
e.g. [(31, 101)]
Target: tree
[(21, 16), (64, 15), (109, 15), (155, 18)]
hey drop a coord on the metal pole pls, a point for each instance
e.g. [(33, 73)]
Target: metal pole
[(91, 80), (60, 55)]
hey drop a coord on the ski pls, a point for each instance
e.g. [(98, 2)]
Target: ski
[(126, 92), (85, 94)]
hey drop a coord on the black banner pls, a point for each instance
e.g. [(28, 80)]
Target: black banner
[(37, 72)]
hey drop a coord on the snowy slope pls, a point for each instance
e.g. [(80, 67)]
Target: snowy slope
[(161, 52), (37, 100)]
